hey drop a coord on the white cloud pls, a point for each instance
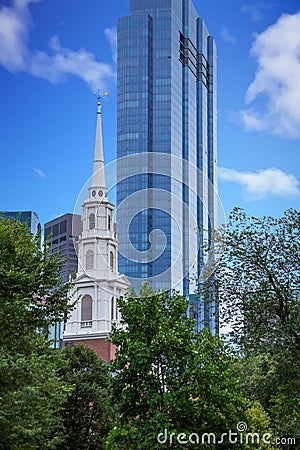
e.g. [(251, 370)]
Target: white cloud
[(277, 80), (40, 172), (54, 65), (15, 23), (111, 36), (64, 61), (263, 183), (226, 36)]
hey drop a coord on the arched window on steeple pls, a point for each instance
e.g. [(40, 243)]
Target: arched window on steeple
[(86, 311), (109, 221), (111, 261), (92, 221)]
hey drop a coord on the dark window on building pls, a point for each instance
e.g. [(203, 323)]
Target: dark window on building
[(63, 227), (55, 230)]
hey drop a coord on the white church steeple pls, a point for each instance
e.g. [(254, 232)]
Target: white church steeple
[(98, 178), (98, 281), (97, 247)]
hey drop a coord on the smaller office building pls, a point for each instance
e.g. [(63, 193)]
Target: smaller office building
[(62, 234)]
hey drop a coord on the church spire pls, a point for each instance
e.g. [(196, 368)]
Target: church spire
[(98, 178), (98, 283)]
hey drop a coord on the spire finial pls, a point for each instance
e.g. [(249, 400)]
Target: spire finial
[(99, 93), (98, 178)]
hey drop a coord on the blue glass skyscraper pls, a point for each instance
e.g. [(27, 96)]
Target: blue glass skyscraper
[(166, 147)]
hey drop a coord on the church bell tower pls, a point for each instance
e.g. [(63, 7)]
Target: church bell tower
[(98, 283)]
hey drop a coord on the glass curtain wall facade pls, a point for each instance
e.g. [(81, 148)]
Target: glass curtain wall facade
[(166, 112), (30, 218)]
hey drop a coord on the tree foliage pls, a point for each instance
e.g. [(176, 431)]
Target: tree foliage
[(169, 380), (258, 284), (31, 298), (32, 295), (30, 402), (88, 411), (259, 280)]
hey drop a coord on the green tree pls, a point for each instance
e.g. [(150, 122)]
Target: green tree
[(30, 402), (88, 411), (258, 286), (259, 280), (31, 298), (32, 295), (146, 290), (152, 353), (167, 380)]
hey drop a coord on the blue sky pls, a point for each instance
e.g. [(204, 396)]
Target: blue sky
[(55, 53)]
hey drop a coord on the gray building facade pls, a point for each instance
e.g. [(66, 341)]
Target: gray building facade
[(61, 234)]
